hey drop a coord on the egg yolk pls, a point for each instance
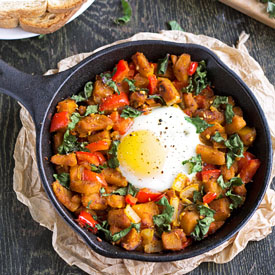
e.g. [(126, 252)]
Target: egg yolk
[(142, 152)]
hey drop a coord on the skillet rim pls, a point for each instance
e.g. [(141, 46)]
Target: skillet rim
[(88, 237)]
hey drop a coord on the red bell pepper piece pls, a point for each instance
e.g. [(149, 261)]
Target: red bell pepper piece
[(210, 175), (59, 121), (93, 177), (192, 68), (85, 219), (122, 70), (243, 161), (205, 167), (91, 158), (249, 170), (145, 195), (209, 197), (122, 125), (130, 199), (152, 86), (98, 146), (100, 157), (114, 101)]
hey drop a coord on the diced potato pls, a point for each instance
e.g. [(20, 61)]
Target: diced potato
[(247, 135), (146, 211), (240, 190), (212, 187), (118, 218), (94, 201), (221, 206), (227, 173), (112, 176), (142, 64), (103, 135), (93, 122), (141, 81), (132, 240), (101, 91), (173, 240), (190, 103), (168, 91), (211, 116), (237, 124), (67, 105), (210, 155), (210, 131), (181, 67), (57, 141), (180, 182), (147, 235), (154, 247), (64, 160), (238, 111), (188, 221), (214, 226), (116, 201), (137, 99), (66, 197), (131, 214)]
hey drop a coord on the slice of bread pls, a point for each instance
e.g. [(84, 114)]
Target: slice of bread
[(61, 6), (18, 8), (9, 23), (46, 23)]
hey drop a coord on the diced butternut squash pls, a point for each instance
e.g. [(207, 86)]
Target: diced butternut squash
[(64, 160), (116, 201), (227, 173), (146, 211), (190, 103), (114, 177), (214, 226), (57, 141), (132, 240), (173, 240), (67, 105), (137, 99), (103, 135), (141, 81), (181, 67), (212, 187), (66, 197), (168, 91), (118, 218), (211, 116), (142, 64), (237, 124), (94, 201), (188, 221), (101, 91), (240, 190), (147, 235), (210, 155), (221, 206), (247, 135), (154, 247)]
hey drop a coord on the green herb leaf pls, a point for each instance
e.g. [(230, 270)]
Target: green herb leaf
[(217, 137), (132, 190), (236, 199), (222, 184), (195, 164), (130, 112), (131, 84), (84, 95), (219, 100), (197, 196), (75, 117), (102, 191), (198, 81), (199, 123), (89, 203), (127, 13), (163, 64), (271, 9), (174, 26), (107, 80), (63, 179), (41, 36), (236, 148), (206, 211), (157, 98), (229, 113), (91, 109), (236, 181), (113, 160), (163, 220), (202, 228), (98, 169)]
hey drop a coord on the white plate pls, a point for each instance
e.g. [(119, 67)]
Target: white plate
[(18, 33)]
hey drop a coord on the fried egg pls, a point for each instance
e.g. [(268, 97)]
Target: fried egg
[(151, 152)]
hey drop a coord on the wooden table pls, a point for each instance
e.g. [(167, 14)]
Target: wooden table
[(25, 246)]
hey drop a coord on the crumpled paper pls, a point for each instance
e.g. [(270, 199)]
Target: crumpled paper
[(71, 247)]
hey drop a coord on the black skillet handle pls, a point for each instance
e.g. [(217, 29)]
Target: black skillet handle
[(34, 92)]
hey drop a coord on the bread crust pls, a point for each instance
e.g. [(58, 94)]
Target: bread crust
[(47, 23), (61, 6), (9, 23)]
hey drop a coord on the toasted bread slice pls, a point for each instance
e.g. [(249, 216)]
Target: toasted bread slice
[(9, 23), (18, 8), (46, 23), (61, 6)]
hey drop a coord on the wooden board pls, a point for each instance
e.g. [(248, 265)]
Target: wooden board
[(253, 8)]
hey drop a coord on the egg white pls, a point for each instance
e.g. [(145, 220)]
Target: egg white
[(179, 140)]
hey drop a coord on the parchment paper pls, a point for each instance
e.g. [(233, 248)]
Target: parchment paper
[(71, 247)]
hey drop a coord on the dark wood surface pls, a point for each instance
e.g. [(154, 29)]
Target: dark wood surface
[(25, 246)]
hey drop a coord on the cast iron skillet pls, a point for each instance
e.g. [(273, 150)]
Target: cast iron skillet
[(40, 95)]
